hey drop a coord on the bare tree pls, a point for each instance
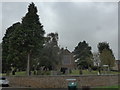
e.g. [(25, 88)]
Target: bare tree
[(96, 59)]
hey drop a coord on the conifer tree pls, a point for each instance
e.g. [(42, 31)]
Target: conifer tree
[(83, 55), (33, 33), (6, 49), (23, 41)]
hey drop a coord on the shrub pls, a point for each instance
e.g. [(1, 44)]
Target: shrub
[(94, 68)]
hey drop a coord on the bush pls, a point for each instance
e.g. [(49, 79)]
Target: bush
[(47, 73), (43, 72), (94, 68)]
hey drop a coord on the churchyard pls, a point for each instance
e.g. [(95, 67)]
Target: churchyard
[(32, 59)]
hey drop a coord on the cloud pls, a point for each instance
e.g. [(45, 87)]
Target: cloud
[(12, 13), (0, 21), (74, 21), (84, 21)]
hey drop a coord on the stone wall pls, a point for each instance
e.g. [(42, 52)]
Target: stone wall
[(61, 82)]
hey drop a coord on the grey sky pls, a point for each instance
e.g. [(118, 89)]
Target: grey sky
[(74, 21), (0, 36)]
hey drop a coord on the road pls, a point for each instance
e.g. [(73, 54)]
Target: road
[(11, 88)]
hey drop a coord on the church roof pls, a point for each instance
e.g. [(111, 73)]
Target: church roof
[(65, 51)]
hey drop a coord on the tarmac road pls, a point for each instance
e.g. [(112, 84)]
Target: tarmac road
[(11, 88)]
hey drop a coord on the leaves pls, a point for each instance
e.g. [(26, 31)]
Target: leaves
[(83, 54), (106, 54), (23, 38), (50, 55), (107, 58)]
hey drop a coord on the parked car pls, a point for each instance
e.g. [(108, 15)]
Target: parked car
[(4, 82)]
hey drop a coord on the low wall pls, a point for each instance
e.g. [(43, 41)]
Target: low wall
[(61, 82)]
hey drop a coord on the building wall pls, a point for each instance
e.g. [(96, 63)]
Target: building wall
[(61, 82), (117, 65), (66, 56)]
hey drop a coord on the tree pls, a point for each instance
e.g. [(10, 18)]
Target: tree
[(6, 49), (23, 40), (50, 52), (106, 54), (107, 58), (83, 55), (97, 62), (33, 38), (102, 46), (16, 49), (96, 58)]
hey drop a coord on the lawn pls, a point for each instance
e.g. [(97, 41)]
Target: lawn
[(86, 72), (22, 73), (74, 72), (116, 87)]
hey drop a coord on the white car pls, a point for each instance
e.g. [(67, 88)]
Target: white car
[(4, 82)]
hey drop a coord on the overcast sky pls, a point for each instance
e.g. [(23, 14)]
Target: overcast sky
[(93, 22)]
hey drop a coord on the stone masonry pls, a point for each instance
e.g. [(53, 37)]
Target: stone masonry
[(61, 82)]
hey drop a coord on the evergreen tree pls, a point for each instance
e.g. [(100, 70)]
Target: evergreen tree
[(33, 37), (23, 41), (83, 55), (6, 50), (102, 46), (16, 49)]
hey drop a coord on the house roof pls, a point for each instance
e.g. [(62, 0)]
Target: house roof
[(65, 51)]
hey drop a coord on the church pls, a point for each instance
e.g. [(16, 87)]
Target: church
[(67, 61)]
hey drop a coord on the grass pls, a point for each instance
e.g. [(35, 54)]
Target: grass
[(86, 72), (116, 86), (23, 73), (74, 72), (111, 86)]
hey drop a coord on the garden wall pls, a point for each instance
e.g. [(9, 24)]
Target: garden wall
[(61, 82)]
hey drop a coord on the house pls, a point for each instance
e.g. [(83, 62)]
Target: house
[(67, 61)]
